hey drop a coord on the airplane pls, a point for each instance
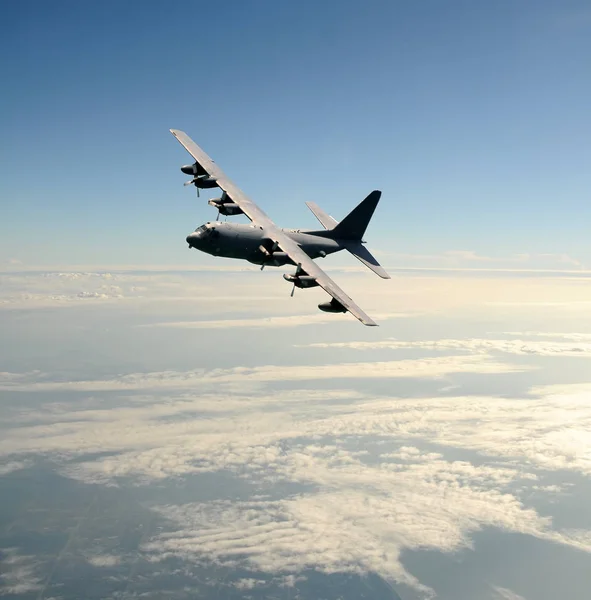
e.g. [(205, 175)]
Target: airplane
[(263, 243)]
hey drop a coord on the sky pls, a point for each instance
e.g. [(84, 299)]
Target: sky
[(471, 117), (175, 425)]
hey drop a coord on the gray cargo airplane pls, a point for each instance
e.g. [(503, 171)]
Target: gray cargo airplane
[(263, 243)]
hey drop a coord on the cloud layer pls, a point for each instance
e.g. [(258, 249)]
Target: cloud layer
[(578, 347), (373, 489)]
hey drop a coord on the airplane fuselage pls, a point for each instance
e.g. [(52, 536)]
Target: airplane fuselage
[(250, 242)]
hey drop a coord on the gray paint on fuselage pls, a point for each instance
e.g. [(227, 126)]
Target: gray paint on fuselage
[(243, 241)]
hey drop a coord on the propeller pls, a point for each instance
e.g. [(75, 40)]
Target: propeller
[(270, 252), (298, 271), (194, 182)]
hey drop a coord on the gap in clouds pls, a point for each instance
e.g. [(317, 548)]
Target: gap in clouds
[(490, 564)]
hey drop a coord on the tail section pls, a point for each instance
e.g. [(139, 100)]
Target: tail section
[(351, 230), (353, 226)]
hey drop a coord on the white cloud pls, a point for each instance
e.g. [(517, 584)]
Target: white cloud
[(15, 465), (18, 573), (362, 513), (359, 511), (507, 594), (466, 259), (282, 321), (472, 345), (248, 583), (575, 337), (360, 520), (229, 291), (104, 560), (426, 367)]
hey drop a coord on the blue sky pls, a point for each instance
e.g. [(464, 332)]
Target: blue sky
[(471, 117)]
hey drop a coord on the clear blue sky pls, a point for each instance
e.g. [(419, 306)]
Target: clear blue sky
[(472, 117)]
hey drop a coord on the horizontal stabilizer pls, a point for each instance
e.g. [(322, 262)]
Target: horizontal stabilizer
[(327, 221), (360, 252)]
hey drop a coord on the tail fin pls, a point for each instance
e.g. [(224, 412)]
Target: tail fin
[(351, 229), (353, 226)]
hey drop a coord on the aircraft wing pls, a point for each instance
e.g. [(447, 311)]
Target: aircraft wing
[(271, 231)]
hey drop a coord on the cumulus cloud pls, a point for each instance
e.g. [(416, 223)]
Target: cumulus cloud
[(359, 520)]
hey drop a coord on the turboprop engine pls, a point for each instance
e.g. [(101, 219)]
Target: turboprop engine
[(225, 208), (301, 281), (201, 178)]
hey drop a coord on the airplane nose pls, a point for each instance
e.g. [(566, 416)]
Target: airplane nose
[(192, 239)]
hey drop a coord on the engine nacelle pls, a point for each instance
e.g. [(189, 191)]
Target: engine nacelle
[(205, 183), (277, 259), (194, 169), (225, 208), (301, 281), (334, 306)]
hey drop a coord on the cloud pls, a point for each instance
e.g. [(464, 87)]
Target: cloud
[(475, 345), (18, 573), (458, 259), (426, 367), (576, 337), (248, 583), (359, 520), (104, 560), (66, 289), (372, 483), (506, 594), (264, 322), (15, 465)]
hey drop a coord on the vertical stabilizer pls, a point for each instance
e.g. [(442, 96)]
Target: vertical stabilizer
[(353, 226)]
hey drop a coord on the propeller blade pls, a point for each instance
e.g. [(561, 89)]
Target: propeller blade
[(292, 290)]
